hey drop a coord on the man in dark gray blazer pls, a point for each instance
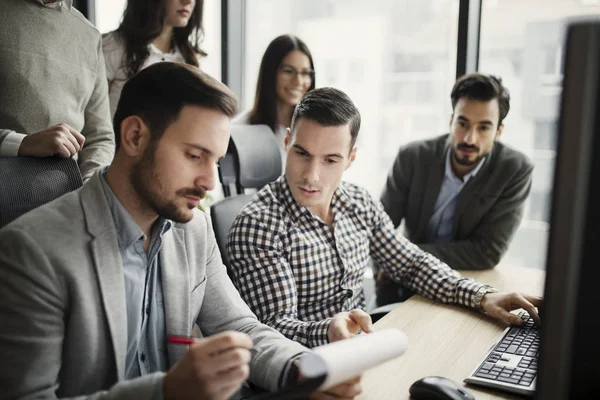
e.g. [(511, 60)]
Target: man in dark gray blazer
[(96, 282), (461, 195)]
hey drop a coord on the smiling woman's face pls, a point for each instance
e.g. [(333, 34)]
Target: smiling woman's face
[(293, 78)]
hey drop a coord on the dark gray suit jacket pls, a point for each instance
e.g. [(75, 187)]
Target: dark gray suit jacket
[(63, 319), (488, 210)]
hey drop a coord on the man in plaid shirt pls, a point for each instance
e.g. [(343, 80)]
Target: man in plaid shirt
[(300, 248)]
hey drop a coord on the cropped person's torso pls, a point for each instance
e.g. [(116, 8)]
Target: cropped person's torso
[(48, 64)]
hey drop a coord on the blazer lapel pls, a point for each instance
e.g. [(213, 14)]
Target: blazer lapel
[(108, 264), (176, 280), (432, 186)]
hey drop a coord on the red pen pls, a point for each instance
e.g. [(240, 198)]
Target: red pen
[(181, 340)]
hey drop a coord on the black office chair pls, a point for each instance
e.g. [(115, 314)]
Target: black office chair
[(252, 161), (28, 182)]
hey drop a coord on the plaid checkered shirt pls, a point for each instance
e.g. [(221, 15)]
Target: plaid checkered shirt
[(296, 273)]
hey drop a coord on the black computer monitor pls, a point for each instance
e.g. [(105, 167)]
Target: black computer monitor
[(569, 365)]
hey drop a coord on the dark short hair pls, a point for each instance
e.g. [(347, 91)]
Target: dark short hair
[(328, 107), (264, 110), (158, 93), (482, 87)]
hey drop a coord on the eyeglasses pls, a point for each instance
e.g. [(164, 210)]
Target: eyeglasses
[(290, 73)]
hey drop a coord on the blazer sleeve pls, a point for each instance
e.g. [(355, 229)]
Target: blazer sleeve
[(33, 307), (395, 193), (99, 146), (489, 241)]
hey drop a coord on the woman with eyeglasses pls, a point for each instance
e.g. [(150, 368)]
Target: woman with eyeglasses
[(286, 74), (151, 31)]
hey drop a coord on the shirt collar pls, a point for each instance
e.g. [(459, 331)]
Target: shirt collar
[(340, 201), (450, 174), (155, 50), (128, 231), (57, 4)]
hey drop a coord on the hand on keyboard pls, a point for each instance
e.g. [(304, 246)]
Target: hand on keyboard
[(499, 305)]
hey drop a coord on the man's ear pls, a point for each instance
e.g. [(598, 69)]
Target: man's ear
[(500, 129), (351, 158), (451, 118), (135, 136), (288, 139)]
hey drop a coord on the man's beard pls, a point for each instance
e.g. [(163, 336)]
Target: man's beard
[(149, 186), (466, 161)]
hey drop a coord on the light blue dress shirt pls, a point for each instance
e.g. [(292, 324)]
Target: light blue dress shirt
[(146, 332), (439, 228)]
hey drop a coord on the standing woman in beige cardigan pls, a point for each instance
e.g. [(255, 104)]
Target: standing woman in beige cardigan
[(152, 31)]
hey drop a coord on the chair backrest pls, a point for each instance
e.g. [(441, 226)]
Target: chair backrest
[(28, 182), (253, 159), (222, 214)]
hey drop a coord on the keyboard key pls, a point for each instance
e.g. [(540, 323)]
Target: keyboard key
[(508, 380), (512, 349), (488, 366)]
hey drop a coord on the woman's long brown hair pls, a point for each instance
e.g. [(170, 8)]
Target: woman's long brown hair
[(143, 21)]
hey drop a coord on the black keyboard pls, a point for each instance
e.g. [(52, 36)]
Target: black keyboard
[(511, 364)]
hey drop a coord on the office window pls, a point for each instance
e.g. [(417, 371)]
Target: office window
[(522, 41), (394, 58), (110, 12)]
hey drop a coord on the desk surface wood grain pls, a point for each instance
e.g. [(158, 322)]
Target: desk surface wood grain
[(445, 340)]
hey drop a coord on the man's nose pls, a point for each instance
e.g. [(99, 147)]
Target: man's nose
[(311, 173), (206, 180), (470, 136)]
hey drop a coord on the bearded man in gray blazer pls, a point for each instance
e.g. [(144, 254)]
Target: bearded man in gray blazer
[(460, 195), (94, 283)]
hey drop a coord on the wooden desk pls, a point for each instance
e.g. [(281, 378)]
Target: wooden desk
[(445, 340)]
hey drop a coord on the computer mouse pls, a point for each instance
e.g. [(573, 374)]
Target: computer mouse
[(438, 388)]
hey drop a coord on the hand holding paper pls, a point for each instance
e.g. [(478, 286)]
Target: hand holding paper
[(340, 361), (345, 324)]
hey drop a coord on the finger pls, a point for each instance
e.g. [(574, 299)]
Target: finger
[(509, 317), (535, 300), (530, 308), (362, 319), (232, 377), (229, 391), (66, 142), (340, 329), (62, 150), (221, 342), (223, 385), (230, 359), (346, 389), (73, 140), (78, 137)]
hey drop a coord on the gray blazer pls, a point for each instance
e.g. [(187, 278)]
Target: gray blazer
[(63, 328), (488, 210)]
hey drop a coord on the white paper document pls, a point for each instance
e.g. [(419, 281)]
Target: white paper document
[(340, 361)]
